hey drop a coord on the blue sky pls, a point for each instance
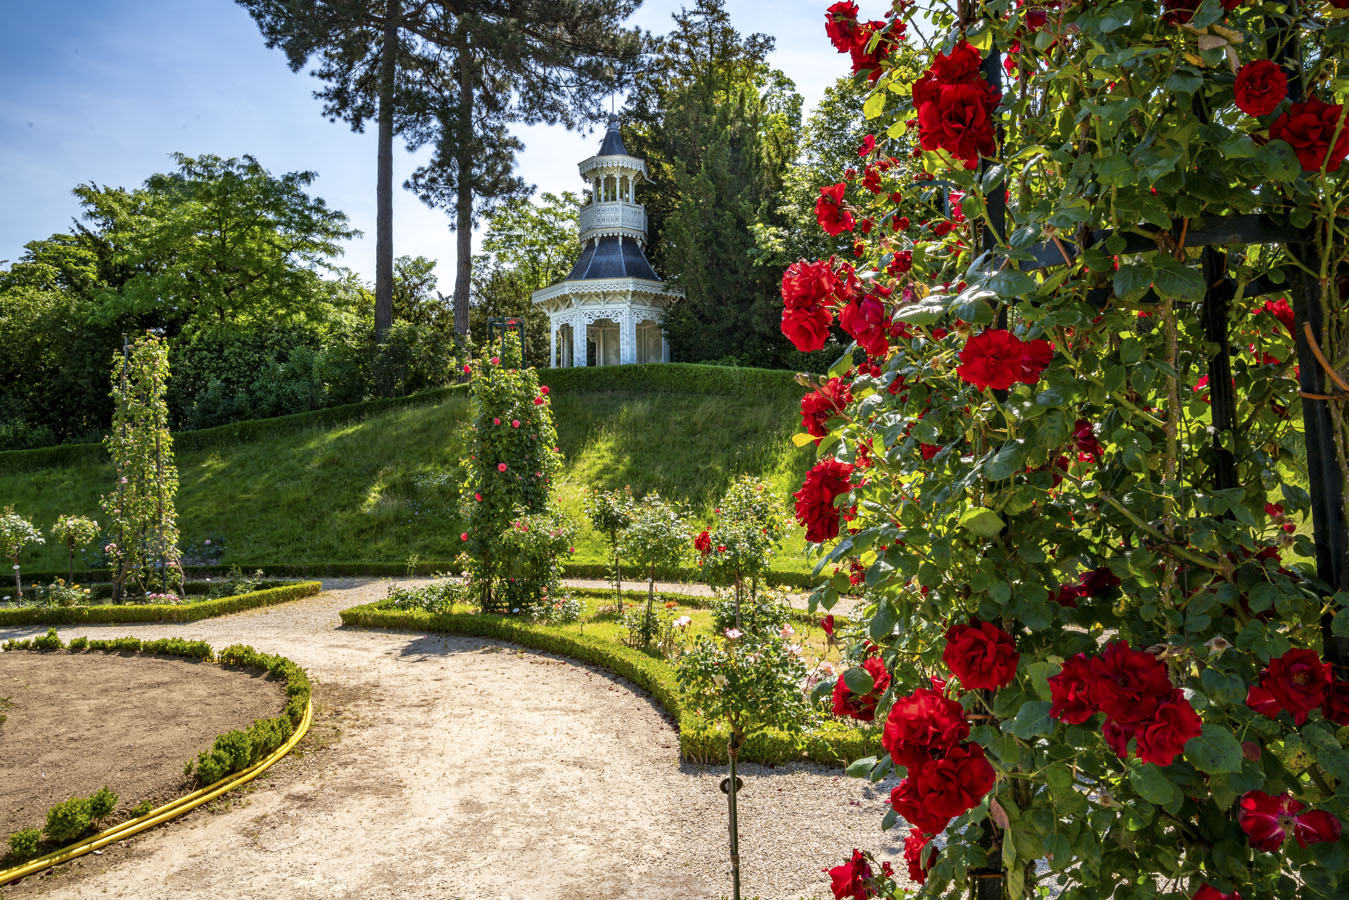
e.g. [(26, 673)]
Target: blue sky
[(104, 91)]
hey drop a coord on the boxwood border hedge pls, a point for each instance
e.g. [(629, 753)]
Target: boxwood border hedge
[(833, 744), (155, 612)]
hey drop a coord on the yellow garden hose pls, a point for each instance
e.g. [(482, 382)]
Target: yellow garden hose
[(164, 813)]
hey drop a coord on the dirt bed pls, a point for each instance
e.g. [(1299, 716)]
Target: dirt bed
[(77, 722), (447, 767)]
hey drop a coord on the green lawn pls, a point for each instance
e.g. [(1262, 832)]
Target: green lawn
[(383, 489)]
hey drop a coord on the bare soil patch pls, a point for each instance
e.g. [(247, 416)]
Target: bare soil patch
[(77, 722)]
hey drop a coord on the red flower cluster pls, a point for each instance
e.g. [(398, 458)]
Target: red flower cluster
[(1260, 87), (831, 210), (981, 655), (850, 879), (955, 106), (1280, 310), (1134, 691), (947, 775), (1268, 821), (996, 358), (822, 404), (1179, 12), (862, 706), (1310, 128), (914, 844), (1299, 682), (805, 289), (866, 321), (815, 501), (1089, 584), (850, 36), (1209, 892), (703, 543), (1089, 449)]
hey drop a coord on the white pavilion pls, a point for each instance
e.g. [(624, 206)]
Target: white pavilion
[(607, 311)]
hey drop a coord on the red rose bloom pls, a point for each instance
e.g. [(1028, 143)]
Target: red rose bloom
[(914, 844), (913, 808), (862, 706), (1268, 820), (1128, 685), (1209, 892), (840, 24), (807, 329), (827, 625), (1089, 449), (1295, 682), (960, 121), (981, 655), (993, 358), (865, 320), (961, 65), (850, 879), (822, 404), (830, 212), (1163, 737), (703, 543), (955, 783), (1035, 358), (1071, 693), (809, 284), (815, 501), (1260, 88), (1280, 309), (1310, 127), (922, 726), (1117, 737), (1336, 705)]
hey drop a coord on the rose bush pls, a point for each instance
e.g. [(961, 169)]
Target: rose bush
[(1063, 456)]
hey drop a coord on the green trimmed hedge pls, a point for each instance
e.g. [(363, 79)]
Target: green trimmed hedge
[(699, 741), (232, 751), (155, 612), (93, 454), (696, 601)]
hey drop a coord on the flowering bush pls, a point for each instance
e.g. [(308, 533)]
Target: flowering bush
[(16, 533), (531, 548), (75, 532), (739, 546), (650, 628), (611, 513), (509, 476), (438, 596), (143, 550), (61, 593), (657, 537), (1062, 450)]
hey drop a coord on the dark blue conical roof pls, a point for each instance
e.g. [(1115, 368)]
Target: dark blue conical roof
[(613, 141)]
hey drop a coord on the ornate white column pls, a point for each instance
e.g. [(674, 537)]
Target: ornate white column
[(552, 341), (627, 337), (578, 341), (664, 347)]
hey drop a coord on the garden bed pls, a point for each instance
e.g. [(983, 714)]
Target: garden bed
[(77, 722), (189, 611)]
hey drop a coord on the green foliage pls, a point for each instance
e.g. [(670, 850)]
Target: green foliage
[(531, 550), (657, 537), (508, 479), (156, 612), (745, 534), (143, 523), (101, 803), (236, 583), (68, 820), (765, 613), (750, 681), (16, 533), (438, 596), (23, 846)]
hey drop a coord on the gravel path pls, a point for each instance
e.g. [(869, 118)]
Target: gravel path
[(452, 767)]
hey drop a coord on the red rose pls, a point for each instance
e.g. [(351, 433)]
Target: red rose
[(809, 284), (960, 121), (1268, 820), (906, 801), (1280, 309), (868, 144), (827, 625), (1310, 127), (961, 65), (992, 359), (1163, 737), (850, 879), (956, 783), (1071, 693), (822, 404), (914, 844), (1208, 891), (1260, 88), (869, 61), (922, 726), (1336, 705), (807, 329), (865, 320), (1295, 682), (840, 24), (1179, 12), (1128, 685), (1089, 449), (702, 543), (981, 655), (815, 501), (830, 212), (862, 706), (1117, 737), (1035, 358)]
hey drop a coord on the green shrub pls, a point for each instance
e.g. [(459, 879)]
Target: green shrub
[(142, 809), (23, 846), (49, 641), (78, 644), (68, 820), (156, 612), (102, 803)]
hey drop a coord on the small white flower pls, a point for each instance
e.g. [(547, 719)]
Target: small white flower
[(827, 668), (733, 633), (682, 622), (786, 631), (719, 680)]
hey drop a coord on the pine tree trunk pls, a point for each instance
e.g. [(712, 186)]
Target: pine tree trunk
[(463, 204), (388, 71)]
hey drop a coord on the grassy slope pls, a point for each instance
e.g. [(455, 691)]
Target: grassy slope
[(383, 489)]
